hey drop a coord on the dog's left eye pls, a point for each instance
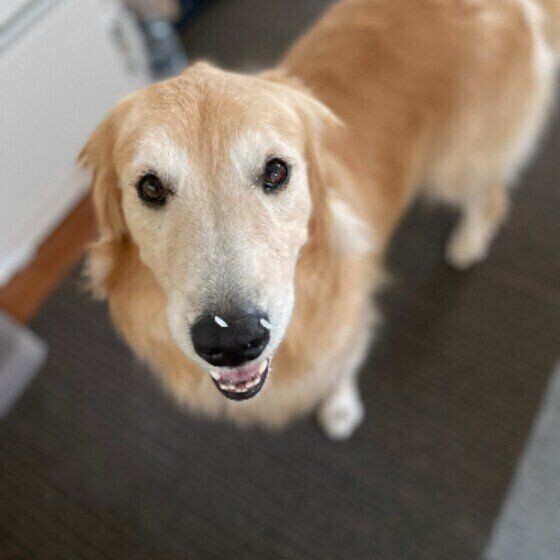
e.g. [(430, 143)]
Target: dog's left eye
[(275, 175), (151, 190)]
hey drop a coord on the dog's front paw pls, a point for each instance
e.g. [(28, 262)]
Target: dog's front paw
[(341, 414), (466, 247)]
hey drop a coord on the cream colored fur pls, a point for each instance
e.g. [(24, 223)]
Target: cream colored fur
[(379, 102)]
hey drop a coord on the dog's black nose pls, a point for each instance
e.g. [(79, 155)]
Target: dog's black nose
[(230, 340)]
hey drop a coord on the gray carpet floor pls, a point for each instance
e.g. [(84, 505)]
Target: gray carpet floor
[(97, 463)]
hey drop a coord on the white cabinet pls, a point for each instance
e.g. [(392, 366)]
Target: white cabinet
[(63, 64)]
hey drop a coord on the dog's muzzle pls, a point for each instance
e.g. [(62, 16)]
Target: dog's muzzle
[(232, 344)]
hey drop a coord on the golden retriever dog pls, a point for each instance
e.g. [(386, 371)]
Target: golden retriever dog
[(243, 218)]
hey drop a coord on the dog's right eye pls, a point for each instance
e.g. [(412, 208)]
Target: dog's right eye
[(151, 190), (276, 174)]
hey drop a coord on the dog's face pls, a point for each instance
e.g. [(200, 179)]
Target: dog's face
[(212, 187)]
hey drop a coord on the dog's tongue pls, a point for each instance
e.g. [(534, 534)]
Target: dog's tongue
[(239, 375)]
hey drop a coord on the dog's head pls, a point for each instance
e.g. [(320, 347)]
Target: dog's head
[(209, 175)]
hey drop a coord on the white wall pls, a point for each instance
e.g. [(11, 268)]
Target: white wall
[(59, 73)]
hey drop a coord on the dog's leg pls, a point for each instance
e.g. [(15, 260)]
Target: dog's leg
[(482, 214), (343, 411)]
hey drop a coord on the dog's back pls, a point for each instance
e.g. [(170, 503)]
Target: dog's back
[(446, 93)]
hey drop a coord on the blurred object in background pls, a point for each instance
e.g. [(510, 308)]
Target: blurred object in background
[(147, 9), (189, 7), (157, 19)]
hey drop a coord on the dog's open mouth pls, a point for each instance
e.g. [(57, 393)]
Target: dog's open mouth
[(241, 383)]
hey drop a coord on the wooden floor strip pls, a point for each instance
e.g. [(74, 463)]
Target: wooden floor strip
[(23, 295)]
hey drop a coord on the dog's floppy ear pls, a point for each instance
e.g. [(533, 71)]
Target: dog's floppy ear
[(332, 218), (97, 154), (316, 120), (316, 117)]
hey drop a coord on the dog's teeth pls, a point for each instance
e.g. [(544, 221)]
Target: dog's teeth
[(241, 387)]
